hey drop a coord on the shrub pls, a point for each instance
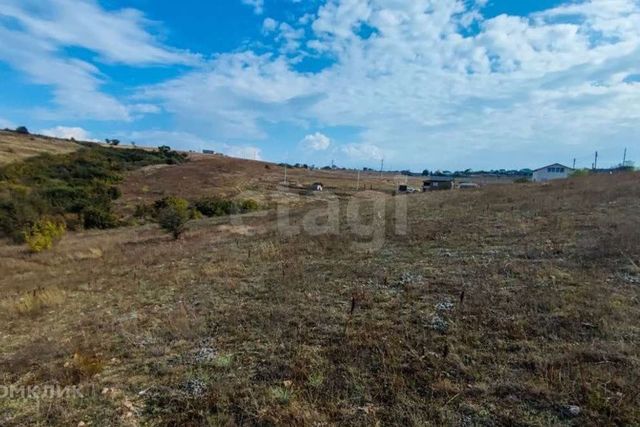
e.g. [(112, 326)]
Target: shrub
[(82, 182), (249, 206), (216, 207), (23, 130), (173, 215), (99, 217), (43, 234)]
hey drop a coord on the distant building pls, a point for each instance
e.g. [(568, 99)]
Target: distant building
[(434, 183), (317, 186), (208, 152), (551, 172)]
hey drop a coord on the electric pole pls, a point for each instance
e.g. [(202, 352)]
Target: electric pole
[(574, 163), (358, 182), (624, 158), (595, 163), (381, 167)]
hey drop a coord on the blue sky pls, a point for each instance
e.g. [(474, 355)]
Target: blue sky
[(437, 84)]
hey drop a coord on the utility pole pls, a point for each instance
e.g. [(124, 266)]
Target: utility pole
[(624, 158), (574, 163), (595, 163), (381, 167), (358, 182)]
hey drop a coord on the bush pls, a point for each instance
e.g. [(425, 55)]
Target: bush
[(82, 183), (216, 207), (249, 206), (173, 215), (43, 234), (99, 217), (23, 130)]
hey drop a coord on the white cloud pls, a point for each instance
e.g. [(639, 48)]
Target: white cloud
[(363, 152), (117, 36), (65, 132), (269, 25), (420, 90), (425, 83), (316, 141), (244, 152), (35, 45), (258, 5)]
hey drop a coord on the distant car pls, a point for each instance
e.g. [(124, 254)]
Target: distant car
[(468, 186), (402, 189)]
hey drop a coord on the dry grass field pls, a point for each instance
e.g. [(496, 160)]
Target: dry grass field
[(14, 147), (508, 305)]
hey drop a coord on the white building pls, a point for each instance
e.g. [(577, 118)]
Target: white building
[(551, 172)]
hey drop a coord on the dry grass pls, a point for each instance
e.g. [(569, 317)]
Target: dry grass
[(15, 147), (499, 307), (33, 302)]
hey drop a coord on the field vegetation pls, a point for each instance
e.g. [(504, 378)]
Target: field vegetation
[(506, 305), (74, 189)]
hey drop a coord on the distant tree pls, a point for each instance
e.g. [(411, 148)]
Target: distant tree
[(173, 217), (426, 172), (115, 142), (164, 149), (23, 130)]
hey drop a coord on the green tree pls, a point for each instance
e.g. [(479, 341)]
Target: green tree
[(174, 215)]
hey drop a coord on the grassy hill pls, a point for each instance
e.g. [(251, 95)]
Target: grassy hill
[(509, 305), (15, 147)]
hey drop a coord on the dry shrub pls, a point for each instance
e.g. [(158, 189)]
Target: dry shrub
[(87, 364), (620, 238), (43, 234), (35, 301)]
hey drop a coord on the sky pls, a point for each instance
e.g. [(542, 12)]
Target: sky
[(422, 84)]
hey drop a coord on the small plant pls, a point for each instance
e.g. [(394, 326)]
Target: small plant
[(223, 361), (281, 395), (34, 301), (249, 206), (173, 215), (43, 234), (316, 379)]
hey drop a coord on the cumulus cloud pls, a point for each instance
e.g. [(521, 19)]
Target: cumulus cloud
[(65, 132), (362, 151), (36, 33), (258, 5), (420, 81), (316, 141), (413, 81), (269, 25)]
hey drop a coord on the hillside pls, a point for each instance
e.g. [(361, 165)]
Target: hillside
[(509, 305), (15, 147)]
